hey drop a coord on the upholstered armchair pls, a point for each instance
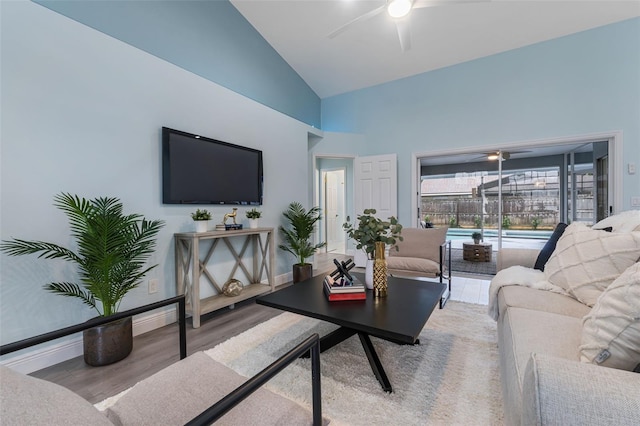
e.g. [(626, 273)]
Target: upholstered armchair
[(422, 253)]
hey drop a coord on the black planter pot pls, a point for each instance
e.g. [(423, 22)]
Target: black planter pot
[(108, 343), (302, 272)]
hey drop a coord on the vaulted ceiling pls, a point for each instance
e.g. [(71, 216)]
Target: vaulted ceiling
[(368, 52)]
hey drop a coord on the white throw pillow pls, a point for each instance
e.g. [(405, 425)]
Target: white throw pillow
[(628, 221), (586, 261), (611, 331)]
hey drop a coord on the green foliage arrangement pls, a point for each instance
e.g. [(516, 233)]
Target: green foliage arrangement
[(477, 221), (371, 229), (253, 214), (297, 236), (476, 236), (535, 222), (112, 250), (201, 215), (453, 222), (506, 222)]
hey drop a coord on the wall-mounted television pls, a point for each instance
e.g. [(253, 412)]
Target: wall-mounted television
[(200, 170)]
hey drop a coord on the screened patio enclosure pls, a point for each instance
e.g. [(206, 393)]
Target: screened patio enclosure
[(517, 197)]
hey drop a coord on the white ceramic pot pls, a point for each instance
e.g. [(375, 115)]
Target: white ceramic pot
[(202, 225), (368, 274), (253, 223)]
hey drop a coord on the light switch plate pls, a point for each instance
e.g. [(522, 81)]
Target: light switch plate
[(631, 168), (635, 201)]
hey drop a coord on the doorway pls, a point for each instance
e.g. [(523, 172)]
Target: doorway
[(333, 204), (535, 186)]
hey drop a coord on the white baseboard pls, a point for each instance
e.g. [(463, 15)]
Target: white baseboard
[(37, 359)]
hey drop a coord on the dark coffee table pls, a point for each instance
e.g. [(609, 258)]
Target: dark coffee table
[(399, 317)]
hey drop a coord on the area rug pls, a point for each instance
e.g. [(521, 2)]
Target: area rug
[(451, 378), (458, 264)]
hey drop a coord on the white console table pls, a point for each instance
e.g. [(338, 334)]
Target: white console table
[(190, 266)]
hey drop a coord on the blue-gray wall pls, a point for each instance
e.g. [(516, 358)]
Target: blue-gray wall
[(207, 37), (82, 112), (580, 84)]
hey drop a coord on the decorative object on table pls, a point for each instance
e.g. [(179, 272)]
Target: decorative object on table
[(379, 272), (477, 237), (232, 288), (111, 256), (342, 269), (297, 238), (427, 221), (231, 216), (201, 218), (340, 285), (370, 230), (253, 215)]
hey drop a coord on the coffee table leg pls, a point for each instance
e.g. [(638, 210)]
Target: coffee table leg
[(330, 340), (375, 363)]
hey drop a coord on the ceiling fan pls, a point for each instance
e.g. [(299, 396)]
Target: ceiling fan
[(495, 155), (399, 10)]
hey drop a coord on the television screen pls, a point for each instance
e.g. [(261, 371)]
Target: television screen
[(199, 170)]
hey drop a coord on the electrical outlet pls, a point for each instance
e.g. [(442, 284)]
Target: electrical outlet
[(635, 201), (153, 285)]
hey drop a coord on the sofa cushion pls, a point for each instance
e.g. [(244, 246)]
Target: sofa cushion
[(561, 392), (586, 261), (549, 246), (611, 331), (523, 331), (183, 390), (542, 332), (26, 400), (420, 243), (540, 300), (628, 221), (413, 265)]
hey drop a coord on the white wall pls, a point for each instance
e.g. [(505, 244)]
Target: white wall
[(82, 113)]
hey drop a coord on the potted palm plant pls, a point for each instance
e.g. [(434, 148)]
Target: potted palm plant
[(253, 215), (201, 219), (111, 255), (369, 231), (297, 238)]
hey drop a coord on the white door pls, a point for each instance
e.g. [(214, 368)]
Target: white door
[(376, 186)]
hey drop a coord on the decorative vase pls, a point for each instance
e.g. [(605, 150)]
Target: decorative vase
[(108, 343), (253, 223), (201, 225), (368, 274), (379, 271)]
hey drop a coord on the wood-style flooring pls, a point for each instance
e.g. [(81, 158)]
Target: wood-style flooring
[(158, 349)]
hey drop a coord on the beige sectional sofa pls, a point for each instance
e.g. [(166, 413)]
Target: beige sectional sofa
[(545, 376)]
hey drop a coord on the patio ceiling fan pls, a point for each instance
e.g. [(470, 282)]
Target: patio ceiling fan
[(399, 11)]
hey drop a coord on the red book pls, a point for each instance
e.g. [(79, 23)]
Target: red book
[(333, 297)]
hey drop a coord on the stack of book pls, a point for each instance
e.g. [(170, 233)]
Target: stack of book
[(343, 289)]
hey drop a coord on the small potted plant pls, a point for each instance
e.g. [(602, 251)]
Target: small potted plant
[(201, 219), (427, 221), (476, 237), (297, 238), (253, 215), (369, 231)]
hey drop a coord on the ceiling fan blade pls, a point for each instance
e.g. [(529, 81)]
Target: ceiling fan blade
[(360, 18), (418, 4), (404, 33)]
